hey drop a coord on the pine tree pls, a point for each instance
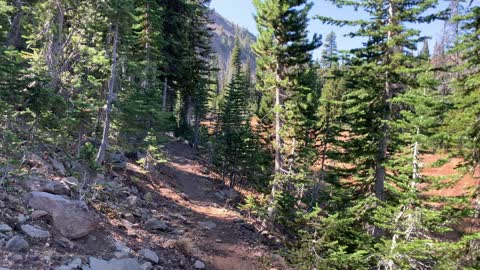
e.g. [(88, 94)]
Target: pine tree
[(283, 51), (119, 16), (141, 96), (234, 130), (330, 51), (467, 85), (425, 52), (464, 119), (379, 211)]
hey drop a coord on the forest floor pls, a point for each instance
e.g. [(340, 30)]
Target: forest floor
[(193, 215)]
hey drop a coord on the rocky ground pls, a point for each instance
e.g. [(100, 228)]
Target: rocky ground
[(178, 216)]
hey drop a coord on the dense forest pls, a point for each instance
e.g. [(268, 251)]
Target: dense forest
[(330, 152)]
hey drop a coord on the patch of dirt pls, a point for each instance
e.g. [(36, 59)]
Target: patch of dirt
[(456, 182)]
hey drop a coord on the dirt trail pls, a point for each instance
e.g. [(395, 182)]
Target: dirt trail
[(232, 243)]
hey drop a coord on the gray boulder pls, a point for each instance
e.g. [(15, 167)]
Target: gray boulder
[(154, 224), (5, 228), (38, 214), (16, 244), (58, 165), (41, 184), (147, 266), (199, 264), (34, 232), (71, 218), (36, 161), (149, 255), (73, 265)]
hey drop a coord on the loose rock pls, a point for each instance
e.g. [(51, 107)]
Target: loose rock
[(16, 244), (41, 184), (121, 254), (38, 214), (36, 161), (114, 264), (199, 264), (75, 264), (145, 266), (132, 199), (71, 218), (121, 247), (58, 165), (16, 258), (149, 255), (21, 218), (34, 232), (5, 228), (207, 225), (155, 224)]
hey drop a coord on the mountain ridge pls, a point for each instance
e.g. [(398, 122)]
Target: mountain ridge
[(223, 41)]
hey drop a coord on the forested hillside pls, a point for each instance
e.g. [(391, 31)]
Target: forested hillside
[(223, 42), (126, 143)]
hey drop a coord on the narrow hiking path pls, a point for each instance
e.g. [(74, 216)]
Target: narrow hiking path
[(224, 238), (178, 211)]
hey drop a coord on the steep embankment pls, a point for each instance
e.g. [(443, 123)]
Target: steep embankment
[(175, 217)]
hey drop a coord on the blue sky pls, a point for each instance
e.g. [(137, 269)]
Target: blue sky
[(241, 12)]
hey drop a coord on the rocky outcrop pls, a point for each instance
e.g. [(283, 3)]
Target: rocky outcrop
[(71, 218)]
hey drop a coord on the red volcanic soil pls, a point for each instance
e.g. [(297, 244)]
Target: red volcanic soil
[(457, 182)]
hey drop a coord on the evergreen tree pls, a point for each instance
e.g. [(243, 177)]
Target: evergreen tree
[(466, 115), (119, 16), (425, 52), (234, 121), (284, 51), (376, 218), (464, 119), (330, 51)]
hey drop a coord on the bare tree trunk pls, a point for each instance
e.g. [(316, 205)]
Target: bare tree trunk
[(415, 162), (196, 131), (145, 82), (55, 50), (278, 139), (188, 110), (164, 97), (106, 126), (276, 186)]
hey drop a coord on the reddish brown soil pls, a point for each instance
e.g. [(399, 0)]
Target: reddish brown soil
[(458, 183)]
